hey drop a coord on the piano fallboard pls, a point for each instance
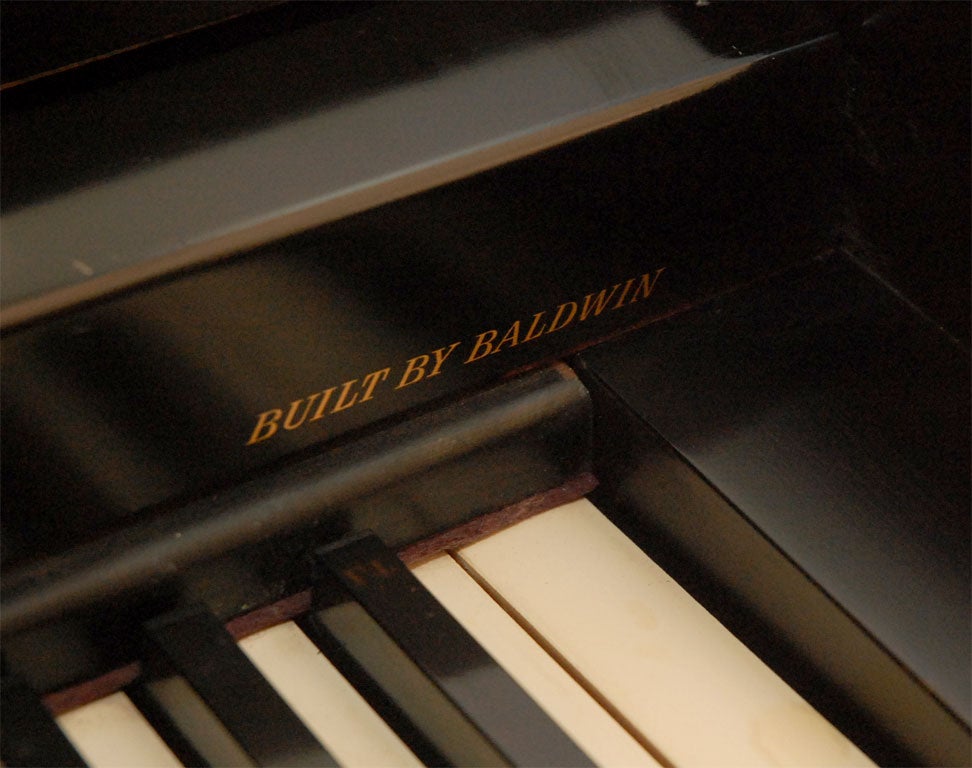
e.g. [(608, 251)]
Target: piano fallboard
[(275, 277)]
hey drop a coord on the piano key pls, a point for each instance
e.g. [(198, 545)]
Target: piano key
[(397, 689), (112, 733), (505, 726), (330, 707), (30, 736), (673, 673), (577, 713), (210, 704)]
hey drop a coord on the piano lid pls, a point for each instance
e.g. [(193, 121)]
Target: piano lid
[(115, 172), (92, 31)]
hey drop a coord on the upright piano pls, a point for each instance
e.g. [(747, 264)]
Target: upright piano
[(444, 354)]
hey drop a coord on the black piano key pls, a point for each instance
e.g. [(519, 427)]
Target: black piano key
[(28, 734), (409, 656), (211, 705), (397, 689)]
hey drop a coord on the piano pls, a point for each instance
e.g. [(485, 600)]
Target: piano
[(495, 384)]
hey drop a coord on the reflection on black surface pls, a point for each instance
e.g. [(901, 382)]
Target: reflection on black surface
[(210, 703), (436, 685), (818, 429), (153, 396)]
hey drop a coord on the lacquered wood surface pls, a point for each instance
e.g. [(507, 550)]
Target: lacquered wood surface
[(806, 445), (327, 102)]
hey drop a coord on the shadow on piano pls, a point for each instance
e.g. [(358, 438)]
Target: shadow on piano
[(277, 274)]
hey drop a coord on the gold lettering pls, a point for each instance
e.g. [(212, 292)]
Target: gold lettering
[(370, 381), (414, 371), (357, 574), (424, 366), (266, 425), (289, 421), (598, 304), (484, 342), (627, 287), (360, 574), (511, 337), (322, 407), (440, 357), (533, 332), (557, 317), (646, 286), (343, 403)]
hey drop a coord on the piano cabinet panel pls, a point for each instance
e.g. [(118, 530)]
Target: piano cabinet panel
[(751, 139), (215, 281), (798, 456)]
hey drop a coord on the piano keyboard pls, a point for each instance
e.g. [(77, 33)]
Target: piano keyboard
[(620, 657)]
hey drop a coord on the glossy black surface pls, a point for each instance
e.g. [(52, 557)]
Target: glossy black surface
[(154, 395), (834, 420), (46, 37), (394, 687), (756, 145), (908, 192), (29, 736), (467, 709), (209, 702), (197, 145), (243, 548)]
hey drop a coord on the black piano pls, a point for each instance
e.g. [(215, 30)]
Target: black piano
[(590, 311)]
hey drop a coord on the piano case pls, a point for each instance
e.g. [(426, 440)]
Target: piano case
[(281, 275)]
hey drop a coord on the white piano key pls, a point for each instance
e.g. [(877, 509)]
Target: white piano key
[(595, 731), (111, 733), (335, 713), (690, 688)]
